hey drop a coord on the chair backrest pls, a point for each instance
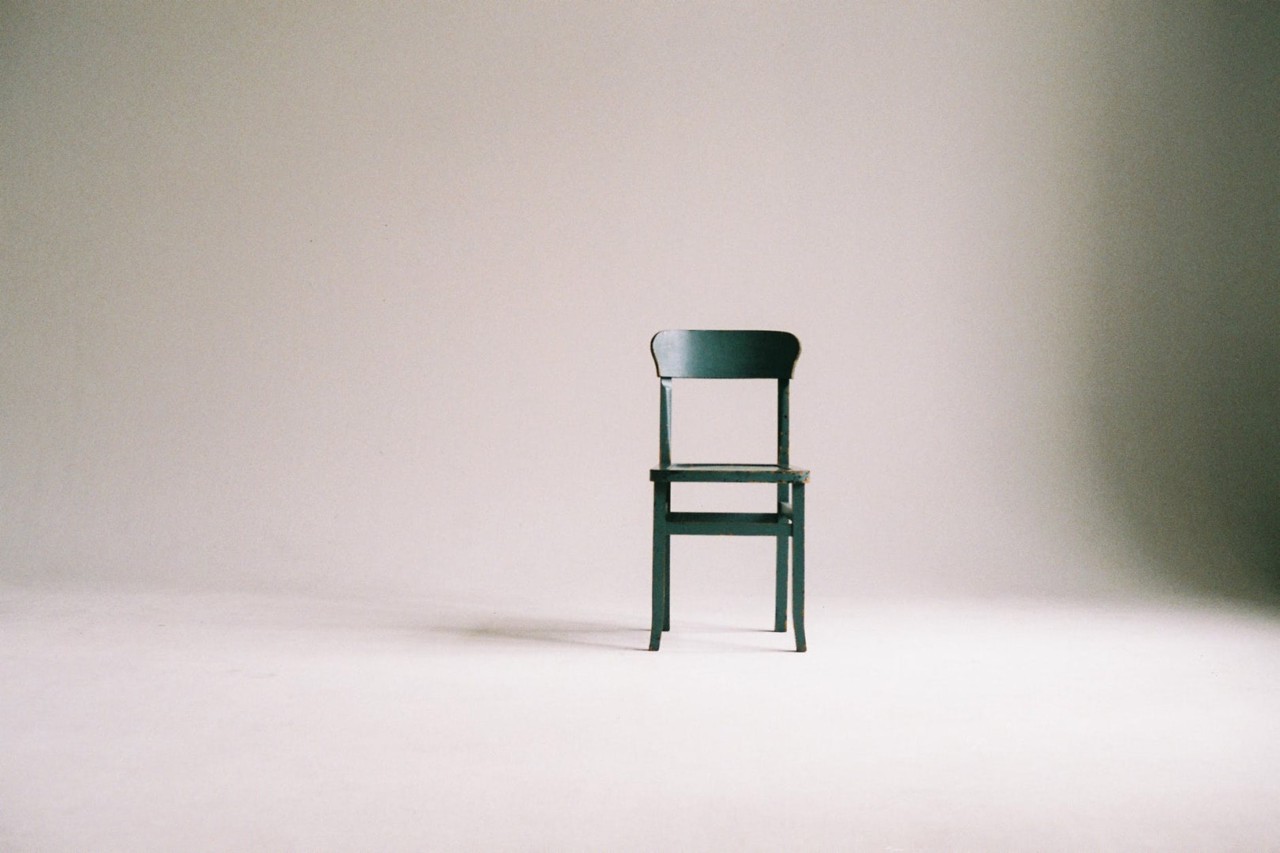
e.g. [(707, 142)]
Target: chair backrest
[(720, 354), (716, 354)]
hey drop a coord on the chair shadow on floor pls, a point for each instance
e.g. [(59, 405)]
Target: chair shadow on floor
[(600, 635)]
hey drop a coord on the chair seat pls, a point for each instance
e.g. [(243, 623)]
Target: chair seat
[(728, 474)]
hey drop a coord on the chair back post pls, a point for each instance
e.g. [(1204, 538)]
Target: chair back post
[(784, 445), (664, 425), (784, 422)]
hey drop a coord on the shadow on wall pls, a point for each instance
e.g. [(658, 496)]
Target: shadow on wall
[(1185, 394)]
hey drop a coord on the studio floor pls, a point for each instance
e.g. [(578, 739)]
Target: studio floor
[(215, 722)]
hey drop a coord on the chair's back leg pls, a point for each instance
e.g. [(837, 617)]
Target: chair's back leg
[(666, 578)]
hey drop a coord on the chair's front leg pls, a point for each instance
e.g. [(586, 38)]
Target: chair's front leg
[(780, 570), (797, 563), (661, 495)]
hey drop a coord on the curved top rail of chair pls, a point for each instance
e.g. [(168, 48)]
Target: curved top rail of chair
[(724, 354)]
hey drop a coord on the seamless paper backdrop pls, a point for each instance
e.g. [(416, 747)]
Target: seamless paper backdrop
[(336, 299)]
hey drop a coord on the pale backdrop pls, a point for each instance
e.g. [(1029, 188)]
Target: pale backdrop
[(345, 298)]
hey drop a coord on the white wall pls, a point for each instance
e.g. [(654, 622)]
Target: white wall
[(351, 298)]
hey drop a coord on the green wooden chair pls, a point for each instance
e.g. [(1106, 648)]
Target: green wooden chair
[(686, 354)]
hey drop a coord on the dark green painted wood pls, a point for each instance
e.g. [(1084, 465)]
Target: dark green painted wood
[(666, 585), (661, 566), (728, 524), (664, 424), (716, 354), (784, 422), (797, 564), (780, 562), (666, 565), (706, 354), (728, 474), (784, 506)]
